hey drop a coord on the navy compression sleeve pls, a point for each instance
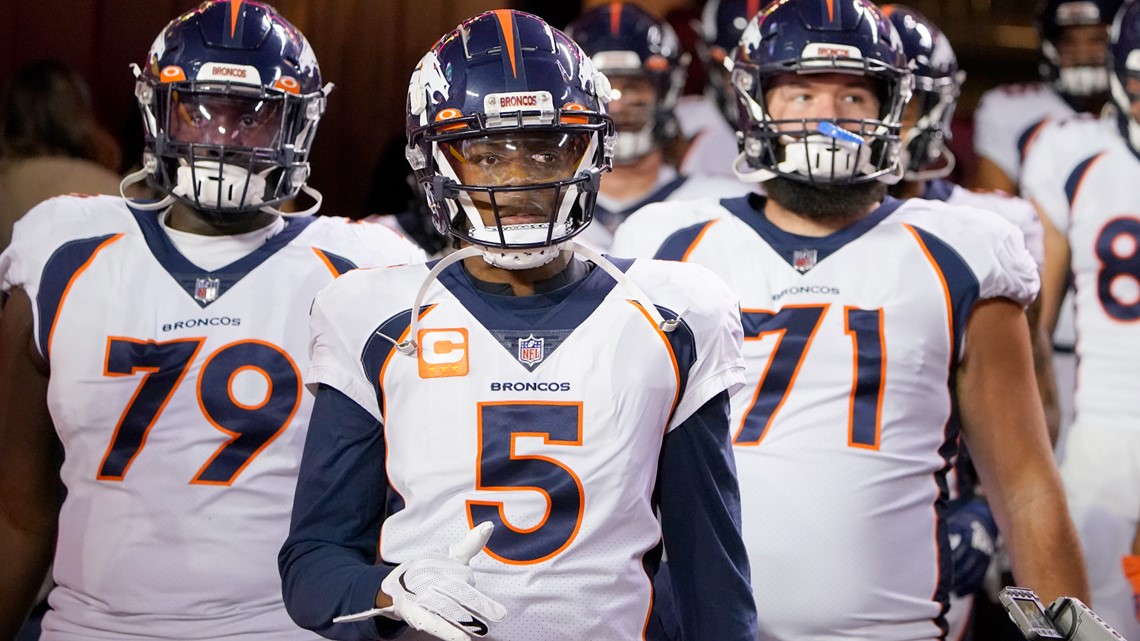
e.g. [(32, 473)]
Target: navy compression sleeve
[(327, 563), (699, 501)]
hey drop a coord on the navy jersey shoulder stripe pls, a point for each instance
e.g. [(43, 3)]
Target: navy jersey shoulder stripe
[(684, 346), (1073, 182), (339, 264), (678, 245), (60, 272), (382, 345), (962, 286), (1025, 140)]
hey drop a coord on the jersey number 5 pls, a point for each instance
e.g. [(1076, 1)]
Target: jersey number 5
[(795, 327), (502, 469), (250, 427)]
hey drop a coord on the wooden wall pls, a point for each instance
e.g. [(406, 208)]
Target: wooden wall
[(366, 47)]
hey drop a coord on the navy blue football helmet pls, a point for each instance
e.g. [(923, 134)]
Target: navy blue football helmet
[(937, 85), (231, 97), (722, 23), (810, 37), (507, 133), (1053, 17), (626, 41), (1124, 71)]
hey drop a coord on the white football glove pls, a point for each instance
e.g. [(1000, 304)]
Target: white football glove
[(434, 593)]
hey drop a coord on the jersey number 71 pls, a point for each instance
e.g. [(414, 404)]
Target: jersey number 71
[(795, 327)]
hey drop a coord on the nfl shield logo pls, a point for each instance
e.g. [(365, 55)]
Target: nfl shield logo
[(206, 289), (803, 259), (530, 350)]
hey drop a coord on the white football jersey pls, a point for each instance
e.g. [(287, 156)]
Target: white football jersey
[(1016, 210), (713, 148), (584, 391), (843, 432), (609, 213), (1007, 119), (176, 393), (1083, 176)]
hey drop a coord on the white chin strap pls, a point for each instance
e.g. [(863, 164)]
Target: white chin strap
[(930, 173), (138, 177), (233, 181), (1082, 81), (820, 155), (632, 145), (219, 185), (833, 155), (519, 235)]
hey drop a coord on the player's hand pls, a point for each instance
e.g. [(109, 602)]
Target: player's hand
[(435, 593), (973, 535)]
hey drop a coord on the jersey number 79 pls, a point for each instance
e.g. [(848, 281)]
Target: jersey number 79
[(250, 428)]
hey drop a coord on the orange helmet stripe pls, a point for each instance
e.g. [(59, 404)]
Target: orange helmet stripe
[(507, 22), (615, 17), (831, 10)]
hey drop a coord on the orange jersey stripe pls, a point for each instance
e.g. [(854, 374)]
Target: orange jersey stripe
[(697, 240), (945, 286)]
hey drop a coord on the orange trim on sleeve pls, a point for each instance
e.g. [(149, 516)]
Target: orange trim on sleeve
[(945, 287), (1081, 182), (669, 349), (328, 263), (697, 240)]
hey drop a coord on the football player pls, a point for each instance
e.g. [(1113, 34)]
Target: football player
[(706, 121), (1072, 36), (642, 58), (165, 344), (873, 328), (508, 422), (1081, 174)]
